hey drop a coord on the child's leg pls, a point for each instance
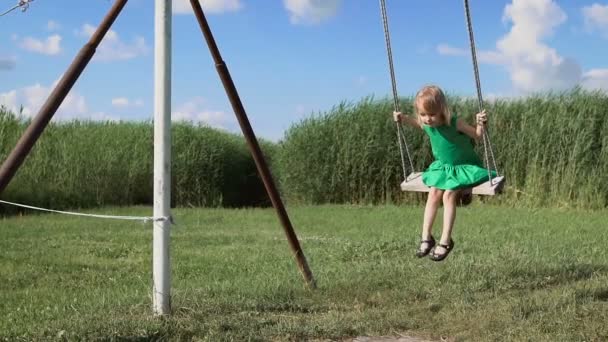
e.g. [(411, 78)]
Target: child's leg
[(430, 211), (449, 216), (432, 203)]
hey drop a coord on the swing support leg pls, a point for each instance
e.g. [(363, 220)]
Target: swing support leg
[(23, 147), (254, 147)]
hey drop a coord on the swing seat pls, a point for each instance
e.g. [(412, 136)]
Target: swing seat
[(413, 182)]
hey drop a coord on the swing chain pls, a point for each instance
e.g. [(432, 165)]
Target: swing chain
[(401, 140), (487, 144)]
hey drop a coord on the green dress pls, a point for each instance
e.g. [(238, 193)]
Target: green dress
[(456, 164)]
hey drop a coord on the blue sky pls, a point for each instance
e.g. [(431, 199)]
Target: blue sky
[(292, 58)]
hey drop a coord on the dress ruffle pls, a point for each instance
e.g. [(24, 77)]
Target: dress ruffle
[(453, 177)]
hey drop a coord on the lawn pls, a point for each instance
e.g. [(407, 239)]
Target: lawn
[(515, 274)]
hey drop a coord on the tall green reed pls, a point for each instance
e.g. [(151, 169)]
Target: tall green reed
[(86, 164), (552, 148)]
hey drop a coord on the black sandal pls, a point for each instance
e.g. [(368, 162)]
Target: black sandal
[(422, 252), (448, 248)]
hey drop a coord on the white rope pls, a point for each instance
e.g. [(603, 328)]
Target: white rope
[(116, 217)]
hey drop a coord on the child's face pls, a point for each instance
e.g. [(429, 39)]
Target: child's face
[(429, 112), (430, 118)]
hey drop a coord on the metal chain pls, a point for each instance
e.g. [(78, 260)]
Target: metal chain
[(400, 136), (487, 144)]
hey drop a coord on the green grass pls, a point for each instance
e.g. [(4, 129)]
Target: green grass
[(515, 275)]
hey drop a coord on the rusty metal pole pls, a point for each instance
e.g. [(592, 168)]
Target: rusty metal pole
[(48, 109), (254, 147)]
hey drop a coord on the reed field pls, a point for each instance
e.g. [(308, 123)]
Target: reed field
[(80, 164), (552, 148)]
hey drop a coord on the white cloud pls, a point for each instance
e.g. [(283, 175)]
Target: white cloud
[(123, 102), (311, 11), (112, 48), (596, 79), (31, 98), (120, 102), (532, 21), (8, 63), (490, 57), (194, 111), (52, 25), (102, 116), (596, 18), (9, 100), (445, 49), (211, 6), (531, 63), (50, 46)]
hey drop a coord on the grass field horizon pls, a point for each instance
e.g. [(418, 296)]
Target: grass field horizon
[(542, 277), (551, 147)]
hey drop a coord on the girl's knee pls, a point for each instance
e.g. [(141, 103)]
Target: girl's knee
[(435, 195), (450, 195)]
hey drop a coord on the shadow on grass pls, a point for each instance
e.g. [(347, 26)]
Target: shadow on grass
[(542, 278)]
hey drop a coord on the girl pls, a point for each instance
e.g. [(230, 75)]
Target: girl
[(456, 168)]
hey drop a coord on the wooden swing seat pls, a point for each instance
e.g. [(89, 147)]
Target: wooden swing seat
[(413, 182)]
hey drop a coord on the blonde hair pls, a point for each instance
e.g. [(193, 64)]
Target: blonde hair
[(431, 99)]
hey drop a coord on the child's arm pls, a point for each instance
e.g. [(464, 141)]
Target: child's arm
[(474, 132), (400, 117)]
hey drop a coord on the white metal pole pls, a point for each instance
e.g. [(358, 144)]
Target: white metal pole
[(162, 157)]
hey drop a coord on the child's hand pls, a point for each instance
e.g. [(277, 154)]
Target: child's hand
[(481, 117), (397, 116)]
